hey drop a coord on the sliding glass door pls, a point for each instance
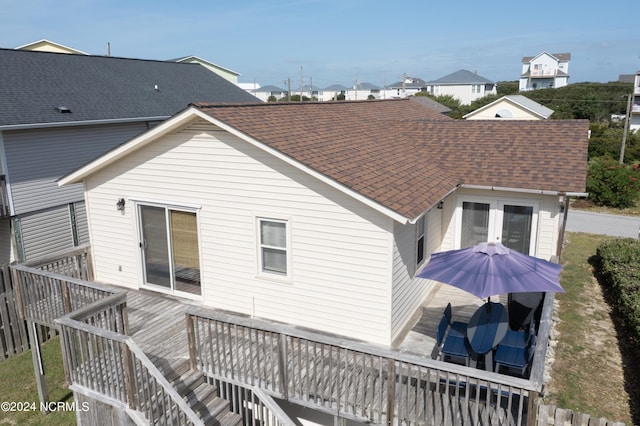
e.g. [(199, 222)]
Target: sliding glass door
[(514, 224), (169, 247)]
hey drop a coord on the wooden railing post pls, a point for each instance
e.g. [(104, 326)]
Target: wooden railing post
[(283, 365), (129, 376), (391, 389), (532, 409), (191, 338), (66, 296)]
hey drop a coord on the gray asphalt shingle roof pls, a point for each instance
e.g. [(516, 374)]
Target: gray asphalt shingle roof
[(461, 77), (100, 88)]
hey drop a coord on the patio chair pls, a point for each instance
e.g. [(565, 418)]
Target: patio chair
[(519, 339), (518, 359), (457, 327), (523, 308), (451, 344)]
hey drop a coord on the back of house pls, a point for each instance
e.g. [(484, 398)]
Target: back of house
[(58, 111)]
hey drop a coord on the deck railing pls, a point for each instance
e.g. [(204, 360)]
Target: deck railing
[(110, 363), (352, 379)]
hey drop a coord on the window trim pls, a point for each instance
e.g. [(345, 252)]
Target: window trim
[(270, 275)]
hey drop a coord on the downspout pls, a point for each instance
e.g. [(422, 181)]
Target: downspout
[(563, 226)]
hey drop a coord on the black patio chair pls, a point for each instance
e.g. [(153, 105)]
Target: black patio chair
[(523, 308)]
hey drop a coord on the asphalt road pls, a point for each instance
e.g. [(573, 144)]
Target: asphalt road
[(603, 224)]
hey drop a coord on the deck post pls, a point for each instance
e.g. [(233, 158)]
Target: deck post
[(66, 297), (38, 364), (191, 338), (129, 376), (391, 389), (532, 409), (282, 365)]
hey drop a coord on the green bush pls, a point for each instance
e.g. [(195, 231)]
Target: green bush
[(612, 184), (619, 269)]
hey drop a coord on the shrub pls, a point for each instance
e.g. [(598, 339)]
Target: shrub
[(612, 184), (619, 270)]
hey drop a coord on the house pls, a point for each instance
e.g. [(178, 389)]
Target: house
[(545, 70), (265, 92), (334, 92), (463, 85), (408, 86), (634, 113), (58, 111), (45, 45), (511, 107), (223, 72), (362, 91), (319, 215)]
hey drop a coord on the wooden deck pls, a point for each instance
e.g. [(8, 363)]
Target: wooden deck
[(421, 339), (157, 323), (339, 376)]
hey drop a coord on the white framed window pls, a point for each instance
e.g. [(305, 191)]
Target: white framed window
[(421, 240), (273, 247)]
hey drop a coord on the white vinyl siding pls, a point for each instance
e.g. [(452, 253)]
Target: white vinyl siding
[(37, 158), (410, 292), (340, 249)]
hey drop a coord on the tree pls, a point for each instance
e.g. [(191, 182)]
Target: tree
[(612, 184)]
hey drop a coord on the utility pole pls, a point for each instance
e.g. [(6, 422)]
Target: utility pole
[(626, 128), (300, 83), (288, 89), (404, 85)]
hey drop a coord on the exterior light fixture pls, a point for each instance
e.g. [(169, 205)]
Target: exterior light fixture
[(120, 204)]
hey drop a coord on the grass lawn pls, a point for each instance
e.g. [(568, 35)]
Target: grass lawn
[(18, 384), (594, 371)]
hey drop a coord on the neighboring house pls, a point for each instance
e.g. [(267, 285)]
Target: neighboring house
[(58, 111), (634, 114), (333, 92), (511, 107), (545, 70), (362, 91), (321, 214), (223, 72), (265, 92), (49, 46), (408, 86), (463, 85)]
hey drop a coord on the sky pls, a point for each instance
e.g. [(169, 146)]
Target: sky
[(325, 42)]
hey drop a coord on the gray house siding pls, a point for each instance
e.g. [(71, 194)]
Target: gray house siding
[(46, 232), (37, 158), (81, 224)]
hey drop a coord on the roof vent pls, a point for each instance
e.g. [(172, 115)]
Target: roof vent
[(63, 110)]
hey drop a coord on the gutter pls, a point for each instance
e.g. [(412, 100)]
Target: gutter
[(525, 191), (80, 123)]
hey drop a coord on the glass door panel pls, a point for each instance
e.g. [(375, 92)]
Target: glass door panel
[(475, 223), (516, 227), (154, 245), (184, 248)]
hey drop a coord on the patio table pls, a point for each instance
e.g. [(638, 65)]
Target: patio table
[(487, 327)]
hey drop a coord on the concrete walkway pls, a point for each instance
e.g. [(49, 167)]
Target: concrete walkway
[(603, 224)]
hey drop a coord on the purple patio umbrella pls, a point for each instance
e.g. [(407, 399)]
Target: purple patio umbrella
[(489, 269)]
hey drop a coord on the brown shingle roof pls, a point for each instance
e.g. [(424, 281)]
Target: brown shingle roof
[(407, 157)]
